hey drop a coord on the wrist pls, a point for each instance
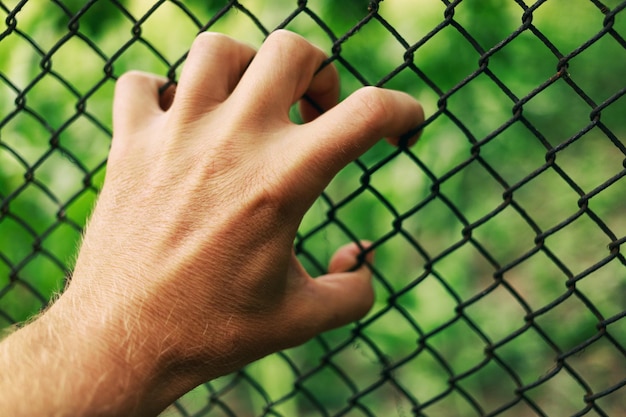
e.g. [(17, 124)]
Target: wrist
[(109, 363)]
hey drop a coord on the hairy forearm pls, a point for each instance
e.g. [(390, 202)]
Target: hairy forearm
[(68, 363)]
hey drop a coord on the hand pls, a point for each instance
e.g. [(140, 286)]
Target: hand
[(187, 270)]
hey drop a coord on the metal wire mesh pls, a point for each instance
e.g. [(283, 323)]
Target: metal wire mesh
[(501, 287)]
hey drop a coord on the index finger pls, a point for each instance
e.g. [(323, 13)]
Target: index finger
[(344, 133)]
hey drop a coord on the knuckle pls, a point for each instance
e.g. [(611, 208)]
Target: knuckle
[(138, 79), (286, 38), (294, 47), (374, 99), (213, 43), (131, 77), (373, 107), (211, 38)]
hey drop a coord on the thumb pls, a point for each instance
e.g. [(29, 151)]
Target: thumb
[(344, 295)]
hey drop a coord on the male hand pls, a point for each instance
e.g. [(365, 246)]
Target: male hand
[(187, 270)]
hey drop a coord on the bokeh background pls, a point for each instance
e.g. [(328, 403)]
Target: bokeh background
[(501, 286)]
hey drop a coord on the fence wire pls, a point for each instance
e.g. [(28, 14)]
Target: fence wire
[(501, 287)]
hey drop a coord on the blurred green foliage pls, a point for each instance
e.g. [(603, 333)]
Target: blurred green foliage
[(480, 87)]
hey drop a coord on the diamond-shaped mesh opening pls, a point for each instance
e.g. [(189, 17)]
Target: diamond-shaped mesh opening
[(499, 276)]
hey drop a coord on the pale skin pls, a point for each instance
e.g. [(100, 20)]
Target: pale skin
[(187, 270)]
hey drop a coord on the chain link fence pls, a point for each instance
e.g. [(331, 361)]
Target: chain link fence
[(501, 285)]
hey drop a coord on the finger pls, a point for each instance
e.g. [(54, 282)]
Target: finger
[(137, 100), (344, 133), (341, 297), (282, 71), (344, 298), (213, 68), (347, 257)]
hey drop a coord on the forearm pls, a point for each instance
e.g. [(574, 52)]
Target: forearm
[(68, 363)]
